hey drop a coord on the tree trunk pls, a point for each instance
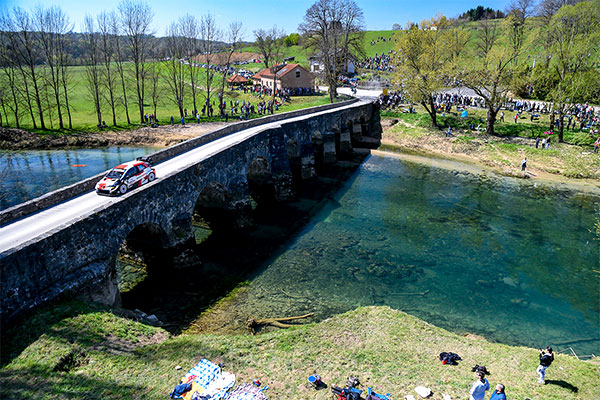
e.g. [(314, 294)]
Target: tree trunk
[(561, 124), (491, 120), (430, 107)]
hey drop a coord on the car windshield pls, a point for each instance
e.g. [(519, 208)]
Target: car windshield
[(115, 174)]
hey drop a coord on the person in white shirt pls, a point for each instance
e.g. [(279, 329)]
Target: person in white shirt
[(479, 387)]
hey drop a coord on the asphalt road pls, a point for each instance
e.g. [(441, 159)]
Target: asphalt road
[(55, 218)]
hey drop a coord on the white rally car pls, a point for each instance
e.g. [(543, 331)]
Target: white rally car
[(126, 176)]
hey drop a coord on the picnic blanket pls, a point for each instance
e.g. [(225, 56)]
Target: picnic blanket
[(207, 379), (247, 391)]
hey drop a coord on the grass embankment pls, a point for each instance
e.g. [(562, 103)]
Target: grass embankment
[(503, 152), (105, 356)]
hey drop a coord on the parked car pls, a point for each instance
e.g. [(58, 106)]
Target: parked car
[(126, 176)]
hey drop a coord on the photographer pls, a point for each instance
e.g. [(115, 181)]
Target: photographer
[(546, 358)]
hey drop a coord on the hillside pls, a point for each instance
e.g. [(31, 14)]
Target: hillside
[(104, 356)]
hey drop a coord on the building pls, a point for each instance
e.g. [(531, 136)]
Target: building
[(287, 76), (317, 66), (236, 79)]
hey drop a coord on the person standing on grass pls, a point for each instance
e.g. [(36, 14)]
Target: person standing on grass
[(537, 142), (479, 387), (547, 143), (516, 117), (502, 116), (546, 358), (596, 145), (498, 394), (523, 164)]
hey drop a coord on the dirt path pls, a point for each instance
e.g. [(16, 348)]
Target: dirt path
[(165, 135)]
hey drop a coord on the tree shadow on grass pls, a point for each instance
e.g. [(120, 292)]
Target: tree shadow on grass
[(562, 384), (29, 383)]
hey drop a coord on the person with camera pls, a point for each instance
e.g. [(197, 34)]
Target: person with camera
[(479, 386), (546, 358)]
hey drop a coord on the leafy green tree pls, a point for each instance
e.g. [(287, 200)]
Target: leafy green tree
[(491, 71), (573, 36), (291, 40), (427, 56)]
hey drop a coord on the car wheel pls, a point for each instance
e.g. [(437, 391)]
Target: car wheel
[(151, 176), (123, 189)]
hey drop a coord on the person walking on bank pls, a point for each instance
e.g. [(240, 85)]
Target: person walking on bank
[(498, 394), (523, 164), (546, 358), (479, 387)]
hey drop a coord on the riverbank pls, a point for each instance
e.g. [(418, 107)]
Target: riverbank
[(562, 162), (164, 135), (77, 350)]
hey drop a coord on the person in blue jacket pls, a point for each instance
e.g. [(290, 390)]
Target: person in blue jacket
[(498, 394)]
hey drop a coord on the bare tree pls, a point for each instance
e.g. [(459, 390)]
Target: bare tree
[(487, 33), (521, 8), (8, 67), (209, 35), (92, 64), (52, 24), (155, 90), (266, 42), (175, 69), (334, 31), (189, 31), (234, 36), (26, 46), (116, 42), (547, 8), (107, 74), (136, 17)]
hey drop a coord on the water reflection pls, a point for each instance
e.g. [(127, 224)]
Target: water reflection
[(471, 253), (27, 174)]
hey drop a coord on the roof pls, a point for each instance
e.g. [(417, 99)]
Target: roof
[(235, 78), (128, 164), (283, 69)]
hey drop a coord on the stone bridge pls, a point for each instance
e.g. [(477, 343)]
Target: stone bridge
[(78, 256)]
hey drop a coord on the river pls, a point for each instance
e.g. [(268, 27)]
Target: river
[(27, 174), (515, 261), (512, 260)]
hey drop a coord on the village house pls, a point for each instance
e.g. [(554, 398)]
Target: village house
[(287, 76)]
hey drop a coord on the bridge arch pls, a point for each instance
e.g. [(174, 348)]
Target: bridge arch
[(261, 186)]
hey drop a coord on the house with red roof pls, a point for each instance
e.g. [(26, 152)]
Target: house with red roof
[(285, 76)]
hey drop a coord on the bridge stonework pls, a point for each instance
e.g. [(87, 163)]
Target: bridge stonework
[(80, 257)]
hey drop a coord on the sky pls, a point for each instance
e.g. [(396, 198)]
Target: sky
[(254, 14)]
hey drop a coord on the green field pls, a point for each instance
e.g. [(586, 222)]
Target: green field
[(84, 117), (73, 350)]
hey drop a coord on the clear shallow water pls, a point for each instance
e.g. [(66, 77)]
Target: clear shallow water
[(494, 256), (25, 175)]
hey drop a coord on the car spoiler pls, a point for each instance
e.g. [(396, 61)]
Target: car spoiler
[(147, 159)]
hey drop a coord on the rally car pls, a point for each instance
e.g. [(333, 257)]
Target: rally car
[(126, 176)]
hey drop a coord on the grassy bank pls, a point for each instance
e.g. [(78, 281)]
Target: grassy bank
[(106, 356), (503, 152)]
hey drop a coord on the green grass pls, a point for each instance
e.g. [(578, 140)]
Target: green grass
[(84, 116), (388, 350), (573, 159)]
